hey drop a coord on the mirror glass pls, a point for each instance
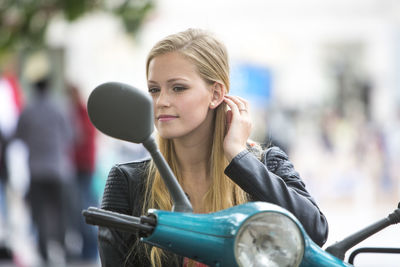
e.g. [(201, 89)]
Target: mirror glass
[(121, 111)]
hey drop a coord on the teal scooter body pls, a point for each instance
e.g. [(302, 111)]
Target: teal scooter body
[(315, 256), (210, 238)]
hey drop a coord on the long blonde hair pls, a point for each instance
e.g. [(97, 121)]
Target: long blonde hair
[(211, 61)]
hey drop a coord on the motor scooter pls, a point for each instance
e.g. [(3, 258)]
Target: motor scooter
[(251, 234)]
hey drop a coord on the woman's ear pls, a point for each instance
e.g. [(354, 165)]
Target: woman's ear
[(218, 93)]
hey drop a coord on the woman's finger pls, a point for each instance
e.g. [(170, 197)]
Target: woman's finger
[(232, 105), (240, 103), (244, 101)]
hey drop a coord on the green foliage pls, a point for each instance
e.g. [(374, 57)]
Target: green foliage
[(133, 13), (23, 23)]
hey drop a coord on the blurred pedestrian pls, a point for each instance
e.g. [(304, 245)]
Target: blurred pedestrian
[(46, 132), (84, 160), (3, 179), (10, 108)]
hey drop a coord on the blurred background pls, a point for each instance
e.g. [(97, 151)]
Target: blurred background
[(322, 78)]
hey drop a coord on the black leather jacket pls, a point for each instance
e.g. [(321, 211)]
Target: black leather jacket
[(273, 179)]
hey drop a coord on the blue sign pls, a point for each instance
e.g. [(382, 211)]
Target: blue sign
[(252, 82)]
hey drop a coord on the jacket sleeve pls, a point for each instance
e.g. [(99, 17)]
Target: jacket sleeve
[(113, 244), (275, 181)]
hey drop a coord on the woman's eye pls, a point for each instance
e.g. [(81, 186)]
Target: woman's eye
[(179, 88), (153, 90)]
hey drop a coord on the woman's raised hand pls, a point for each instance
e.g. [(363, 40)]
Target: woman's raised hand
[(238, 126)]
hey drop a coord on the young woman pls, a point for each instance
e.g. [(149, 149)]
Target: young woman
[(203, 134)]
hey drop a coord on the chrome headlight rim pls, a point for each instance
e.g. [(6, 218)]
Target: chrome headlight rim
[(267, 215)]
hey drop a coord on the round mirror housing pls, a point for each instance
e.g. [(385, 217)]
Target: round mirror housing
[(121, 111)]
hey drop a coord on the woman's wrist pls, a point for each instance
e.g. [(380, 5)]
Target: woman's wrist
[(233, 152)]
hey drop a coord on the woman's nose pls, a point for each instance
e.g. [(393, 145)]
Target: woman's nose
[(163, 99)]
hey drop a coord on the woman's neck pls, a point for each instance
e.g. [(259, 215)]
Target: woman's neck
[(193, 150), (193, 157)]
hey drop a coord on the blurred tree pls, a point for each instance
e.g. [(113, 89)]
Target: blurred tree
[(23, 23)]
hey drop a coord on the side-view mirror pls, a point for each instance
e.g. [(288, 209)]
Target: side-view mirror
[(121, 111), (126, 113)]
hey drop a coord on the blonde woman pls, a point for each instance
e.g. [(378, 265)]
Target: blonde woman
[(203, 134)]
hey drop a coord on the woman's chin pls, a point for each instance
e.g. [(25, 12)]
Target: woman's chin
[(167, 135)]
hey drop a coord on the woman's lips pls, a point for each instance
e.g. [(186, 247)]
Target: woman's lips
[(166, 117)]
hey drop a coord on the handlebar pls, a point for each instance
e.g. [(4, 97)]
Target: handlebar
[(144, 224)]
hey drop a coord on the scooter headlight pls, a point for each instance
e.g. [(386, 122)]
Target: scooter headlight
[(269, 239)]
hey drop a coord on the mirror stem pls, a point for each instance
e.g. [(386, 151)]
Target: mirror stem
[(180, 201)]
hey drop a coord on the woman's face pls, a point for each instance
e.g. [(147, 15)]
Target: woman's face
[(181, 97)]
